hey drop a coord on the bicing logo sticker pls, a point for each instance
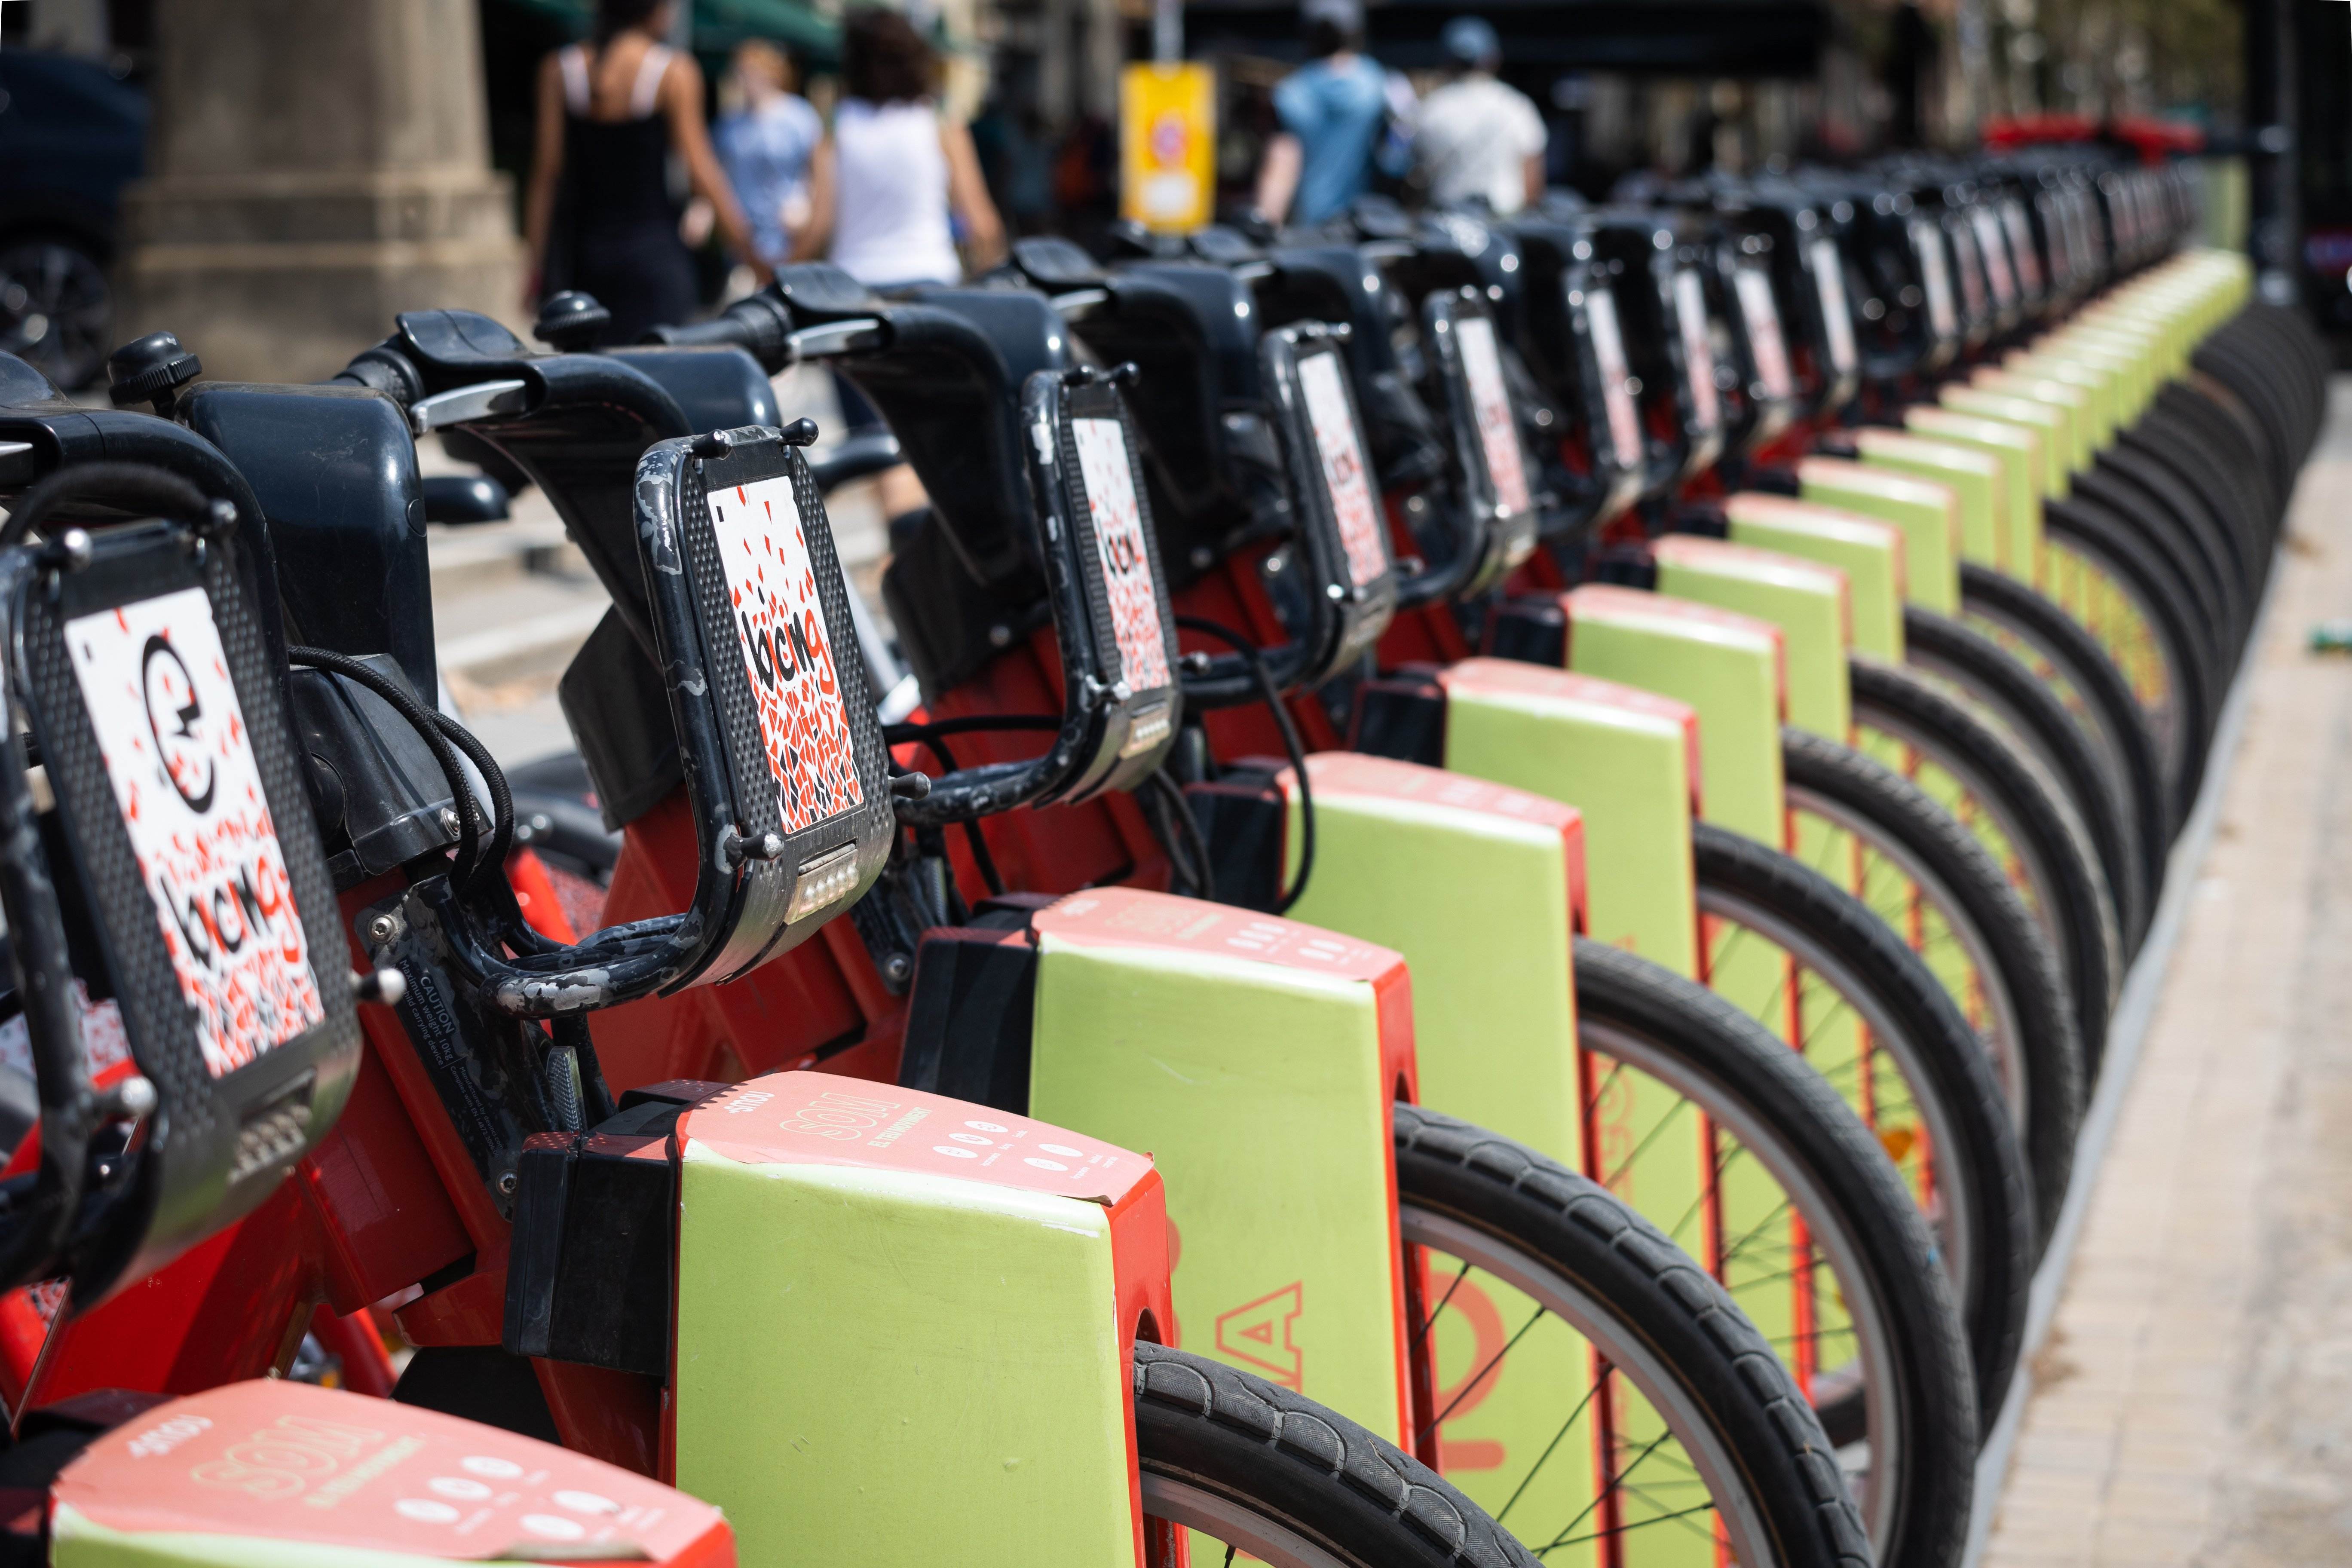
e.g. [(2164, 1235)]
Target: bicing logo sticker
[(1482, 364), (1344, 470), (780, 627), (178, 753), (1126, 565)]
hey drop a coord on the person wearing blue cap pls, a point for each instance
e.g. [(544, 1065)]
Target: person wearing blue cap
[(1335, 112), (1477, 138)]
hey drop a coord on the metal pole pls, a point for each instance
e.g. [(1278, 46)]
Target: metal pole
[(2274, 234)]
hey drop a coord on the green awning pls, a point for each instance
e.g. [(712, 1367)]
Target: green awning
[(720, 24)]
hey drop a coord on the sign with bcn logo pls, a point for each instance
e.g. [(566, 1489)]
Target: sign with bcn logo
[(1498, 434), (1344, 469), (178, 754), (1117, 519), (780, 627)]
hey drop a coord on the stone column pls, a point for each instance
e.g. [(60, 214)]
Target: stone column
[(315, 166)]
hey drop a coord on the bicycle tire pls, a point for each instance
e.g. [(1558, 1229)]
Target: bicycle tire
[(1997, 682), (1270, 1473), (1914, 1401), (2179, 436), (2094, 534), (1653, 1315), (1985, 1225), (2267, 446), (2222, 526), (2117, 724), (2056, 864), (2229, 434), (2044, 1077), (2168, 525)]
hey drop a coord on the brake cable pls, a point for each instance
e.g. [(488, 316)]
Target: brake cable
[(1291, 744)]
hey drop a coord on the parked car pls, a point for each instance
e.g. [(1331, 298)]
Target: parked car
[(73, 135)]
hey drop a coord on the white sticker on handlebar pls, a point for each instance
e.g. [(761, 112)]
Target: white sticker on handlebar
[(1994, 246), (1698, 353), (156, 683), (787, 650), (1837, 312), (1936, 276), (1345, 473), (2021, 246), (1498, 434), (1761, 313), (1127, 568), (1616, 378)]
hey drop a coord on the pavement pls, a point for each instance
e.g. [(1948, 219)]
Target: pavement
[(2192, 1401)]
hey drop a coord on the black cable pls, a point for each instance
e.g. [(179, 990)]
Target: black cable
[(1188, 852), (1291, 744), (928, 735), (501, 797), (129, 487), (422, 721)]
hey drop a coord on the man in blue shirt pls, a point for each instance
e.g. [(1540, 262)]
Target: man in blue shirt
[(1334, 113)]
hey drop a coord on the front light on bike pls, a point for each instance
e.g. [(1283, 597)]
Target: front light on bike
[(829, 878)]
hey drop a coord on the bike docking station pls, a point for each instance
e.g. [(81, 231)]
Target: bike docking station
[(1521, 843)]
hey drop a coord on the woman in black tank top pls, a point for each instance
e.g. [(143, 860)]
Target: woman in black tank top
[(600, 215)]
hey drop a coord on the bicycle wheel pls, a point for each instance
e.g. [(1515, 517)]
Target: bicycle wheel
[(2063, 656), (1995, 791), (1927, 1085), (2171, 532), (2137, 611), (2176, 449), (1932, 882), (1684, 1439), (1259, 1470), (2033, 713), (1814, 1234)]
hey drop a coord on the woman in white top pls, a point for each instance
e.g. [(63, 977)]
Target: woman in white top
[(882, 185), (881, 188)]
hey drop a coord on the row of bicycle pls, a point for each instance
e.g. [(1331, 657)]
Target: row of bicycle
[(1583, 786)]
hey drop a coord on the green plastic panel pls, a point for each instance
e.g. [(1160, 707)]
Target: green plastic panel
[(2053, 422), (1807, 601), (2102, 387), (1625, 758), (1869, 552), (1729, 668), (1257, 1059), (1925, 509), (2083, 437), (1471, 881), (1976, 478), (944, 1346), (2020, 451)]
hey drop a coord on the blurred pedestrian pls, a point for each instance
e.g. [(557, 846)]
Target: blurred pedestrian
[(600, 215), (1479, 139), (884, 187), (765, 143), (1335, 112)]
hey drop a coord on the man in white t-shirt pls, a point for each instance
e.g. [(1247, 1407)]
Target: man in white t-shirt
[(1477, 137)]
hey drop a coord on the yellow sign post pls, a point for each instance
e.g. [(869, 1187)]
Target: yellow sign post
[(1167, 146)]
